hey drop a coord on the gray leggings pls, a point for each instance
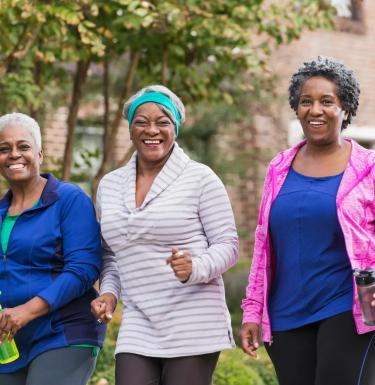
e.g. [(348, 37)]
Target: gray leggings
[(133, 369), (65, 366)]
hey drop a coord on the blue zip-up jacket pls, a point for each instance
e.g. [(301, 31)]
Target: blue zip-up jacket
[(54, 253)]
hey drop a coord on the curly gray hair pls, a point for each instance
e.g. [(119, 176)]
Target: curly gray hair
[(22, 120), (163, 90), (347, 86)]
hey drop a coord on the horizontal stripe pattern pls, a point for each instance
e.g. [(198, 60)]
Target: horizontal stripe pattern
[(187, 207)]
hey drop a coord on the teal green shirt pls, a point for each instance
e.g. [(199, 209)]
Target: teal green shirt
[(6, 229)]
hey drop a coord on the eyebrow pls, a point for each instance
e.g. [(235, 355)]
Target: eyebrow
[(18, 141), (164, 116), (325, 95)]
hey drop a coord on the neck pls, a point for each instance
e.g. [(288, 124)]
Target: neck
[(25, 194), (312, 149), (151, 169)]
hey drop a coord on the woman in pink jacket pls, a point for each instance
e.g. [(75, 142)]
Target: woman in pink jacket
[(316, 224)]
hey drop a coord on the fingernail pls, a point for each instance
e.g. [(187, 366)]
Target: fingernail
[(109, 315), (256, 345)]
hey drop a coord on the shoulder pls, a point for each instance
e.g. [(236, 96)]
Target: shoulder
[(114, 177), (285, 157), (362, 158), (70, 192), (201, 171)]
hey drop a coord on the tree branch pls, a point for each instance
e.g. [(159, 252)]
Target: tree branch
[(22, 47)]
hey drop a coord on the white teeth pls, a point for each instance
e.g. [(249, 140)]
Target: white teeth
[(152, 141), (313, 123), (16, 166)]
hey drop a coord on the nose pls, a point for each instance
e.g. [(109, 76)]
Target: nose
[(316, 108), (14, 153), (152, 129)]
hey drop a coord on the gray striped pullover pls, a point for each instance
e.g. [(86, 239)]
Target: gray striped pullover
[(187, 207)]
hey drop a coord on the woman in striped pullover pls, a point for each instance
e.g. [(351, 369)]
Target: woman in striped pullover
[(168, 234)]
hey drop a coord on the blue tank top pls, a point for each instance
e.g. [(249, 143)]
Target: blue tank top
[(313, 278)]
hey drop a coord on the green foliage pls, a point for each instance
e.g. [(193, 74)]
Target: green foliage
[(233, 371), (235, 368), (192, 45)]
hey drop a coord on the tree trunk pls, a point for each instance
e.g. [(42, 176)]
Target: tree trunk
[(112, 129), (79, 81)]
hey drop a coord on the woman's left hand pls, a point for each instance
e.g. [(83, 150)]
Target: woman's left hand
[(12, 320), (181, 263)]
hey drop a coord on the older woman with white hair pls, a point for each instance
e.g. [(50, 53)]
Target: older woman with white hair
[(169, 234), (49, 259)]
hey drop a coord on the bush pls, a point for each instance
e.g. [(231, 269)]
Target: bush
[(232, 370)]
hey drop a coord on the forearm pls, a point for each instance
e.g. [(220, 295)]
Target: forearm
[(36, 307), (215, 261)]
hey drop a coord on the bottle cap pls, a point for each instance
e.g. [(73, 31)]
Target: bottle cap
[(364, 277)]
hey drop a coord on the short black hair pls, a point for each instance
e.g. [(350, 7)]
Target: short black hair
[(346, 84)]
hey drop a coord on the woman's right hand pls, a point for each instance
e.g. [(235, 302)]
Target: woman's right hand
[(103, 307), (250, 338)]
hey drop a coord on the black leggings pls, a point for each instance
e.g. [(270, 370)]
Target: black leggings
[(328, 352), (134, 369)]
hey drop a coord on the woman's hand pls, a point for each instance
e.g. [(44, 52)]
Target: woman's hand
[(12, 320), (103, 307), (250, 338), (181, 264)]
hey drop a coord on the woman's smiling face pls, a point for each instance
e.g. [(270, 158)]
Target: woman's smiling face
[(320, 111), (152, 133), (19, 155)]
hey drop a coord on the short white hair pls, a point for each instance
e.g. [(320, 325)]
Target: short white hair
[(156, 88), (22, 120)]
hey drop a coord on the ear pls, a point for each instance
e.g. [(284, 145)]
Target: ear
[(41, 157)]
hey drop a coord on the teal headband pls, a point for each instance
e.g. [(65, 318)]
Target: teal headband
[(159, 98)]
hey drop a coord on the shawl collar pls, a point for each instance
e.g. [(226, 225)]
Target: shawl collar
[(172, 169)]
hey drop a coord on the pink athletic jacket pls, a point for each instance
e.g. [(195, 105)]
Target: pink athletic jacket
[(355, 203)]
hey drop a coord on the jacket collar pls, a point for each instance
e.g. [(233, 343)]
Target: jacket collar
[(49, 194), (167, 175), (360, 164)]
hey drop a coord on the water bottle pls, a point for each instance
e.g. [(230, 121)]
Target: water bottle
[(365, 280), (8, 350)]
